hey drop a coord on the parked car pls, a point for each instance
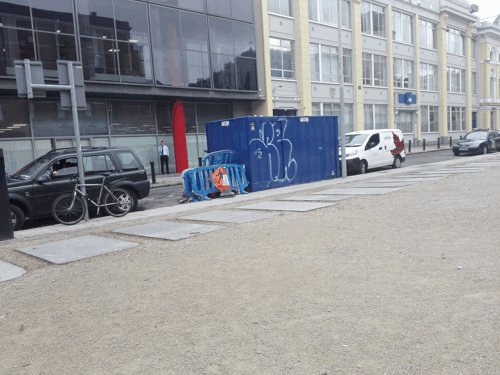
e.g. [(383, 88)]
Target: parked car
[(374, 148), (34, 187), (478, 142)]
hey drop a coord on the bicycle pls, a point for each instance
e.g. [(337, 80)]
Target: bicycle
[(69, 208)]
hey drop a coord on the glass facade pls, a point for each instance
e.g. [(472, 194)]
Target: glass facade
[(205, 45), (138, 124), (114, 40)]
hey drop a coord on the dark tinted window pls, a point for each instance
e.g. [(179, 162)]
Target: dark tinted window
[(194, 31), (244, 39), (166, 25), (224, 74), (99, 59), (130, 117), (246, 74), (196, 69), (219, 7), (14, 119), (15, 44), (51, 47), (373, 141), (53, 15), (49, 120), (242, 10), (96, 164), (15, 13), (131, 21), (198, 5), (134, 62), (95, 18), (163, 118), (221, 36), (93, 121)]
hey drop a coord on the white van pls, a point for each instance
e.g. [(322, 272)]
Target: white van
[(368, 149)]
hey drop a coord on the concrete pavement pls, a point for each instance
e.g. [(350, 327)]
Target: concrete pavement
[(404, 282)]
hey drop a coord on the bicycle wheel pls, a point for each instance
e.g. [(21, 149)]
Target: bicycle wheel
[(118, 202), (66, 211)]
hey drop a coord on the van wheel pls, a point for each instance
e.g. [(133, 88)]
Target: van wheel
[(397, 162), (363, 167), (17, 217)]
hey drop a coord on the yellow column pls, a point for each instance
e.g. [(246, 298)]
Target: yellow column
[(443, 90), (484, 85), (303, 57), (468, 77), (390, 69), (357, 56), (264, 107), (416, 29)]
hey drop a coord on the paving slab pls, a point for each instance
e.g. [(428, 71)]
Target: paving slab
[(168, 230), (451, 171), (315, 197), (417, 179), (9, 271), (230, 216), (293, 206), (380, 184), (77, 248), (361, 191)]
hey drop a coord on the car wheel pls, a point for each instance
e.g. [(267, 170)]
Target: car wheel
[(456, 153), (483, 150), (17, 217), (363, 167), (133, 200), (397, 162)]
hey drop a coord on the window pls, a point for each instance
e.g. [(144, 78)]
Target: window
[(132, 117), (474, 48), (14, 118), (115, 41), (455, 41), (282, 7), (456, 118), (404, 120), (372, 19), (429, 119), (333, 109), (374, 70), (455, 80), (403, 74), (474, 83), (281, 58), (314, 60), (373, 141), (428, 77), (428, 34), (127, 161), (403, 27), (237, 9), (325, 11), (375, 116), (347, 65), (97, 164)]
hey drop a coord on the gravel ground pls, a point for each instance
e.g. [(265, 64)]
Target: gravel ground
[(403, 283)]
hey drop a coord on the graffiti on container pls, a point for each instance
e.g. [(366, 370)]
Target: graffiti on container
[(273, 151)]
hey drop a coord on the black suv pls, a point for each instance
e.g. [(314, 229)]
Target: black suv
[(33, 188)]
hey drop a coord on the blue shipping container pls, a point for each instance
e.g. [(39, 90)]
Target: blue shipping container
[(279, 151)]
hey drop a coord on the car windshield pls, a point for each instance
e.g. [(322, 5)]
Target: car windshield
[(355, 140), (476, 136), (30, 169)]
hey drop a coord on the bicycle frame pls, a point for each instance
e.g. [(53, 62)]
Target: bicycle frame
[(87, 198)]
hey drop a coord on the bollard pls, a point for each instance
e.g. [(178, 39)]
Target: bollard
[(409, 146), (200, 162), (439, 142), (451, 141), (6, 230), (153, 175), (460, 137), (423, 144)]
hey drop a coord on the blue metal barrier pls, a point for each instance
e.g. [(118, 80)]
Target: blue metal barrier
[(199, 182), (217, 158)]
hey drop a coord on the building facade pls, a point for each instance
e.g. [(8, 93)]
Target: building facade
[(409, 64), (489, 73), (424, 66), (139, 59)]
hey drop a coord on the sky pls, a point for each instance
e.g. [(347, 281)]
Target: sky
[(488, 9)]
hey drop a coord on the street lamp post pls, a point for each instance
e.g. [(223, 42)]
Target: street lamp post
[(341, 103)]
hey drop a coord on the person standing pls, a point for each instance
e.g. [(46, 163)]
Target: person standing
[(164, 154)]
